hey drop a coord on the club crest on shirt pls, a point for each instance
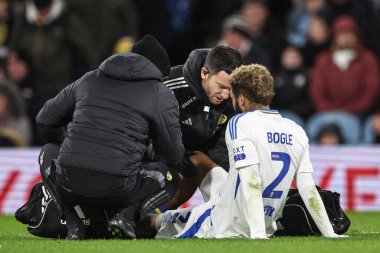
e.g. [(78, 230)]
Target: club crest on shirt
[(169, 176), (222, 119)]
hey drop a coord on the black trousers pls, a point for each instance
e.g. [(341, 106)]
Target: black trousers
[(152, 186)]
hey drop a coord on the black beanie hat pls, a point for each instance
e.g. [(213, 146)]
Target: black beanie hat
[(151, 49), (42, 3)]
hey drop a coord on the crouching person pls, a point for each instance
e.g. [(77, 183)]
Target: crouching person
[(97, 131)]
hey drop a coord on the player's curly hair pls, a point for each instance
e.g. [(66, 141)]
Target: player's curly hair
[(253, 81)]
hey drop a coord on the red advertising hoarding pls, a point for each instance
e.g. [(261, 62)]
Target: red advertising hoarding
[(354, 172)]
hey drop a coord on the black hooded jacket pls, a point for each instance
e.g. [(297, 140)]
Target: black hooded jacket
[(203, 125), (110, 114)]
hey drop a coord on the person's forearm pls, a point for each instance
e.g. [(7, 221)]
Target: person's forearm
[(314, 204)]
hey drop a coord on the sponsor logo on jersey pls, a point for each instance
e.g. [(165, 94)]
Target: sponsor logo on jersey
[(239, 157), (188, 102), (239, 149), (268, 210), (222, 119)]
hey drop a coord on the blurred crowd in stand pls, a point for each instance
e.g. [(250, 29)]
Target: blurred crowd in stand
[(324, 54)]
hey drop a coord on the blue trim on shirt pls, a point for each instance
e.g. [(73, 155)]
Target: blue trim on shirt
[(196, 226), (233, 124), (230, 126), (237, 185)]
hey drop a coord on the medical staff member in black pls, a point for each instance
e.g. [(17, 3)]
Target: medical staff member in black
[(97, 131), (202, 88)]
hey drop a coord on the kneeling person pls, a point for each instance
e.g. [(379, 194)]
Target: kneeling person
[(109, 115)]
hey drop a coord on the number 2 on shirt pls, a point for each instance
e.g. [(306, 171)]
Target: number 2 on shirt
[(269, 191)]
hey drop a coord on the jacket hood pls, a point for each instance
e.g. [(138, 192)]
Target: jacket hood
[(129, 66), (192, 72)]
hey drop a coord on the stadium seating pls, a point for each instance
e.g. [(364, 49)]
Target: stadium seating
[(368, 136), (348, 124)]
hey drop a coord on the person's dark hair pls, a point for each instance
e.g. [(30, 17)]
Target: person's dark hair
[(222, 58), (332, 129), (40, 4)]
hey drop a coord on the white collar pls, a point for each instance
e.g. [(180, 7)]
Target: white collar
[(32, 12)]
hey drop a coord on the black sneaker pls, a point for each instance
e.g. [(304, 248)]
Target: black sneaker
[(75, 226), (122, 228), (75, 234)]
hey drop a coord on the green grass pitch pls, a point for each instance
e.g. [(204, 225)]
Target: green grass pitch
[(364, 238)]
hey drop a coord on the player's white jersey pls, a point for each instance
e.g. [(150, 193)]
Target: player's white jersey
[(279, 147)]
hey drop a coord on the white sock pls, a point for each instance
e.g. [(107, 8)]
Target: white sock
[(213, 183)]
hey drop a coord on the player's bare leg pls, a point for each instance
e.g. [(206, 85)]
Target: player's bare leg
[(204, 165), (188, 185), (186, 189), (207, 173)]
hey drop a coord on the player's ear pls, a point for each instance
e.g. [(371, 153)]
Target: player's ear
[(204, 73), (241, 100)]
